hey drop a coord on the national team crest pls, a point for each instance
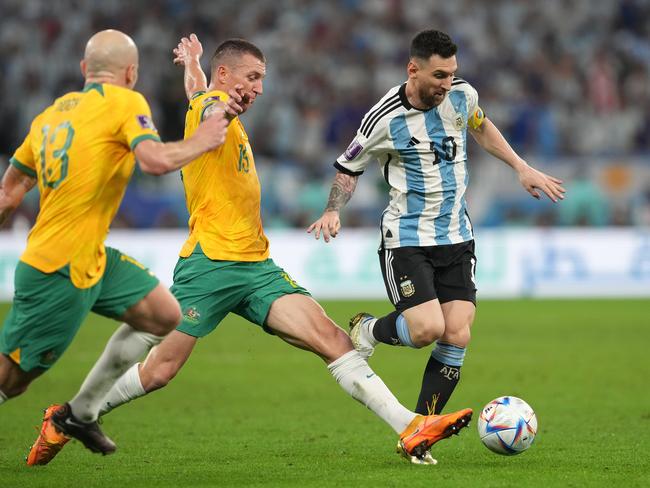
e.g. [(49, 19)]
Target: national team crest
[(450, 372), (459, 121), (192, 315), (49, 357), (407, 288)]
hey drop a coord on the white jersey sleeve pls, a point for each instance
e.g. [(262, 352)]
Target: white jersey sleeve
[(372, 138), (472, 97), (475, 115)]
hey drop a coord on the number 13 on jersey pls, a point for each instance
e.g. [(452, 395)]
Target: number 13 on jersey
[(54, 160)]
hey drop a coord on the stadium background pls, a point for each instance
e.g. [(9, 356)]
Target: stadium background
[(568, 82)]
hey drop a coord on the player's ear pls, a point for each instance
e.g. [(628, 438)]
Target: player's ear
[(131, 75), (222, 73), (82, 65), (412, 68)]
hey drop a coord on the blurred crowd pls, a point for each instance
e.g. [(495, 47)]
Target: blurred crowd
[(567, 81)]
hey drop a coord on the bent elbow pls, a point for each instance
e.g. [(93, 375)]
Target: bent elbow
[(157, 167)]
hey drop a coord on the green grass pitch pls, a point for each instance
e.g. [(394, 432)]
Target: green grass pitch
[(249, 410)]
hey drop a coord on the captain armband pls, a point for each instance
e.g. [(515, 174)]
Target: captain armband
[(476, 119)]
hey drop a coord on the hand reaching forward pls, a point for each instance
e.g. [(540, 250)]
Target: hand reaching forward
[(533, 180), (329, 224)]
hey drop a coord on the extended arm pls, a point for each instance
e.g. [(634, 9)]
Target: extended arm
[(491, 139), (341, 192), (158, 158), (15, 184), (188, 54)]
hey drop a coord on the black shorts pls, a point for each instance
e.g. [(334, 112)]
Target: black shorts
[(414, 275)]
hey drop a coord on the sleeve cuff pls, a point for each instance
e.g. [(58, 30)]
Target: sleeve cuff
[(25, 169), (141, 138), (345, 170)]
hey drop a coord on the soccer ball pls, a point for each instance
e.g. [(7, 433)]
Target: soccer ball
[(507, 425)]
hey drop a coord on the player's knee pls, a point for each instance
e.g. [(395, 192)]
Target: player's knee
[(423, 338), (15, 385), (425, 333), (168, 318), (334, 342), (14, 390), (160, 377), (460, 337)]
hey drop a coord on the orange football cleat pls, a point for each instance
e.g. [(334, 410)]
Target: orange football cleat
[(49, 442), (425, 431)]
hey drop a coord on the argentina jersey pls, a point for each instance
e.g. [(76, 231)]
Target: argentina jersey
[(423, 157)]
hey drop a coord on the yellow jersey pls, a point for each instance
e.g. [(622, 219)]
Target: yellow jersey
[(222, 192), (80, 151)]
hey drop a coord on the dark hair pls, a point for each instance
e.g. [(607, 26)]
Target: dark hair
[(235, 47), (429, 42)]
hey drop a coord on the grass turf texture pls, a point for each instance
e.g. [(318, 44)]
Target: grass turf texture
[(248, 410)]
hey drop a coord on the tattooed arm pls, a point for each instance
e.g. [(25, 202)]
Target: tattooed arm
[(329, 223), (13, 187)]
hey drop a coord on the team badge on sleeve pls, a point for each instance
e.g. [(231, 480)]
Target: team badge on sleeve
[(146, 122), (353, 150)]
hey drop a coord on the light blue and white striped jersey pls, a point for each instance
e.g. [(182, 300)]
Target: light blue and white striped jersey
[(423, 156)]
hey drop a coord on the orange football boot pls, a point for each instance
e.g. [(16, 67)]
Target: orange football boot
[(425, 430), (49, 442)]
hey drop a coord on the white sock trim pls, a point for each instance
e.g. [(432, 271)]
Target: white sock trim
[(354, 375), (3, 397), (127, 388), (125, 347)]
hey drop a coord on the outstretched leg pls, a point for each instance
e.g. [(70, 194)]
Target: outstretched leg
[(300, 321)]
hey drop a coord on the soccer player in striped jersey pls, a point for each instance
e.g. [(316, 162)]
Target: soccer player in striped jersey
[(418, 133), (224, 265), (81, 152)]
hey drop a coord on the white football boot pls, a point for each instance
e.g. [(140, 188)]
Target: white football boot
[(360, 333)]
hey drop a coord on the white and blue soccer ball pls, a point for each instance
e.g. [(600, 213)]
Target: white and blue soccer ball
[(507, 425)]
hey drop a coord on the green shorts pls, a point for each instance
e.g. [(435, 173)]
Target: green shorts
[(48, 309), (208, 290)]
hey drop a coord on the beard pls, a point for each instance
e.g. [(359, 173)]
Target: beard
[(429, 99)]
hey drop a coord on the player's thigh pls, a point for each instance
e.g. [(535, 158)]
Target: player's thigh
[(284, 308), (208, 290), (408, 276), (45, 315), (455, 267), (459, 317), (302, 322), (130, 292), (456, 287)]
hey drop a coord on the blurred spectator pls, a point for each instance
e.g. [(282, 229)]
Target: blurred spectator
[(562, 80), (587, 205)]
